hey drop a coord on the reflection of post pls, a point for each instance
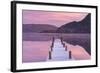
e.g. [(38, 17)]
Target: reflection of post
[(49, 54), (70, 54)]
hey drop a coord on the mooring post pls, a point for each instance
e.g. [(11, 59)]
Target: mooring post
[(51, 48), (63, 44), (70, 54), (49, 54), (65, 48), (61, 40)]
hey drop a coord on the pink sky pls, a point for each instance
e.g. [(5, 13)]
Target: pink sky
[(49, 17)]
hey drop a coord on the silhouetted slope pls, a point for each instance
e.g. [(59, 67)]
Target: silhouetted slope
[(83, 26)]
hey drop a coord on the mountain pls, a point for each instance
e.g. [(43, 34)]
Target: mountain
[(41, 28), (83, 26)]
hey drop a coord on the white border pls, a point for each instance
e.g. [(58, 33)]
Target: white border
[(21, 65)]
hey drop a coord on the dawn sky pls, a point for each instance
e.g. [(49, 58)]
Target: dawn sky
[(52, 18)]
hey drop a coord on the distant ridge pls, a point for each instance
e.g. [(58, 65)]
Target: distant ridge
[(41, 28)]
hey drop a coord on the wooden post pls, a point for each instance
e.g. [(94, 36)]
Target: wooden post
[(65, 48), (49, 54), (70, 54), (52, 44), (63, 44), (61, 39), (51, 48), (53, 39)]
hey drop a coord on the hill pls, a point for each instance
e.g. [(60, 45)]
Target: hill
[(83, 26), (41, 28)]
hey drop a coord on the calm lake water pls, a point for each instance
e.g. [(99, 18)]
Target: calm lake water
[(36, 46)]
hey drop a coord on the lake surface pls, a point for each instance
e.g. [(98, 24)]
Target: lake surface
[(36, 46)]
